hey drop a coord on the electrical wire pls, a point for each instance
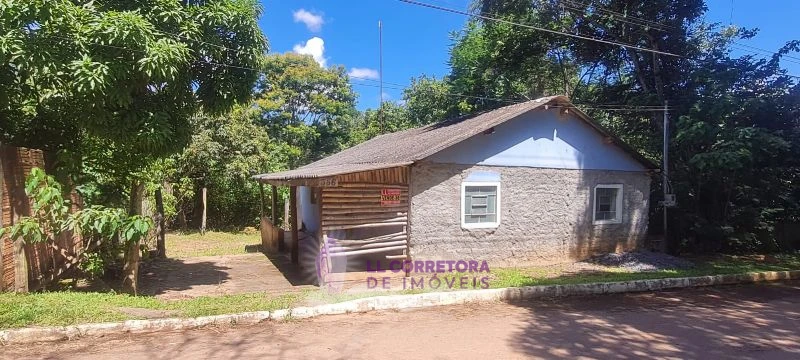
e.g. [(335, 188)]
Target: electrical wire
[(604, 107), (621, 18), (624, 17), (588, 38), (492, 18), (644, 22), (610, 107)]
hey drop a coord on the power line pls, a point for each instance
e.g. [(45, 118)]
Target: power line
[(619, 16), (491, 18), (613, 17), (441, 8), (652, 23), (768, 52), (624, 17), (605, 107), (785, 56), (655, 25)]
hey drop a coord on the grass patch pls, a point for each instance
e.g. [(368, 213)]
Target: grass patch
[(68, 308), (231, 304), (515, 277), (212, 243)]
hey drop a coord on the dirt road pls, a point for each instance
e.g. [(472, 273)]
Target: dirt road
[(754, 321)]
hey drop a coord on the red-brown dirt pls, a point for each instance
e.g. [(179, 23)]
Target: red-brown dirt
[(743, 322)]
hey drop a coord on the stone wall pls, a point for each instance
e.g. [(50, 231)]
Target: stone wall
[(546, 215)]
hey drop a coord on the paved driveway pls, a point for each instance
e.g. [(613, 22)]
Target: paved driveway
[(223, 275), (743, 322)]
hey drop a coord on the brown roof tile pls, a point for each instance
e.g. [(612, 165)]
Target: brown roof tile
[(408, 146)]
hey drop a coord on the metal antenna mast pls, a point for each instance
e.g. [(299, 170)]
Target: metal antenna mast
[(669, 199), (380, 74)]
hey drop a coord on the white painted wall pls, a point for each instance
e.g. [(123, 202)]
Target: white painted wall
[(541, 139), (309, 213)]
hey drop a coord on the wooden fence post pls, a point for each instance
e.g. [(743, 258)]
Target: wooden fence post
[(161, 246), (20, 267), (19, 257), (2, 222), (205, 206)]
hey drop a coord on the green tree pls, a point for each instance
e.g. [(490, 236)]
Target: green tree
[(429, 100), (223, 154), (106, 232), (370, 123), (125, 75), (304, 106)]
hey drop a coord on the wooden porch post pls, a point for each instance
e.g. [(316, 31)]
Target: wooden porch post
[(407, 228), (293, 217), (324, 258), (281, 245), (261, 193), (274, 207)]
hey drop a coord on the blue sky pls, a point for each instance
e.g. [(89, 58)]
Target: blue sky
[(416, 39)]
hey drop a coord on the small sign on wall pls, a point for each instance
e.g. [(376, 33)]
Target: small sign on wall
[(390, 197)]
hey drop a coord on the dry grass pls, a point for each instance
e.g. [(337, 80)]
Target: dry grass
[(212, 243)]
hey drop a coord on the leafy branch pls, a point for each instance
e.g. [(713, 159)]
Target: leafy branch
[(99, 227)]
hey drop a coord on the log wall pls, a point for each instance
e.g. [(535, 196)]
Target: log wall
[(351, 206), (395, 175), (354, 221)]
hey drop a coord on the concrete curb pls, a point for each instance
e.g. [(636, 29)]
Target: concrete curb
[(392, 302)]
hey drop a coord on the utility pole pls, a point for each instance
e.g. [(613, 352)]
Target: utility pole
[(380, 73), (665, 169)]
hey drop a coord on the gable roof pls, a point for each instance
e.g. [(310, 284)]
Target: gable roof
[(412, 145)]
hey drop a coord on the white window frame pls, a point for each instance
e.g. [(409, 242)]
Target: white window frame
[(486, 225), (620, 209)]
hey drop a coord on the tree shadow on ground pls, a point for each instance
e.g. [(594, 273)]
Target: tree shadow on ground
[(304, 273), (170, 275), (706, 324), (295, 274)]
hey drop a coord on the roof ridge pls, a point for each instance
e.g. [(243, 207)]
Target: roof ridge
[(407, 146)]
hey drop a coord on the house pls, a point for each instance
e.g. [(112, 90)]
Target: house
[(532, 183)]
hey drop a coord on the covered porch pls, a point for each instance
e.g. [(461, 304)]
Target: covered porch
[(342, 220)]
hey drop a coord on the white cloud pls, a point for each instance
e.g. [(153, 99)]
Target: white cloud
[(314, 47), (386, 98), (364, 73), (313, 21)]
